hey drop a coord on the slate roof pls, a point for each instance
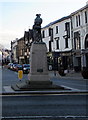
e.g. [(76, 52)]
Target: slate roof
[(81, 9), (56, 21)]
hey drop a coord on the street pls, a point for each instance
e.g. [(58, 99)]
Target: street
[(44, 106), (11, 77)]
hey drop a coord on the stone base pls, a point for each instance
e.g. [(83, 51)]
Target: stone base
[(35, 86), (39, 78)]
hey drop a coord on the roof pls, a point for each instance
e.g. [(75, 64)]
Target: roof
[(81, 9), (22, 38), (56, 21), (66, 17)]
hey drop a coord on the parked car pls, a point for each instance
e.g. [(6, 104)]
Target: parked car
[(26, 68), (19, 67), (14, 67), (10, 65)]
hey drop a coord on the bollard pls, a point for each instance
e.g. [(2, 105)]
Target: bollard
[(20, 74)]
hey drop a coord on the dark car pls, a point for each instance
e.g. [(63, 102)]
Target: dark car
[(10, 65), (14, 67), (26, 68), (19, 67)]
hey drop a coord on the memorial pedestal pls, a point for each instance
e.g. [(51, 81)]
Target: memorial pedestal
[(38, 64), (39, 77)]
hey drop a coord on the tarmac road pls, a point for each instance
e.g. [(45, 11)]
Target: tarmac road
[(44, 106), (10, 77)]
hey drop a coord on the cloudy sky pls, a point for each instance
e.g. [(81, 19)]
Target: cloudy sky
[(18, 15)]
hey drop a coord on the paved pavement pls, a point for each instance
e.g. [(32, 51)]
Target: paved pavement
[(70, 74)]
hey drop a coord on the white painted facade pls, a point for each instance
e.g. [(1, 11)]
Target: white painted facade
[(61, 33), (81, 26), (59, 41), (46, 39), (76, 42)]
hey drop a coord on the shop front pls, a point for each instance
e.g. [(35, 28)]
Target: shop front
[(60, 60)]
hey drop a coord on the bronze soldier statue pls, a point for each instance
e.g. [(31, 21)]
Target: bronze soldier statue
[(37, 29)]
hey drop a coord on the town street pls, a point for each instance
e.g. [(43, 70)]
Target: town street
[(39, 106), (10, 77), (44, 106)]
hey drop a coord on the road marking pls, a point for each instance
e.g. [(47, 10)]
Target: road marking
[(73, 89), (16, 94), (31, 117), (8, 89)]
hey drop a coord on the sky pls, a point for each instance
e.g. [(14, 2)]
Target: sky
[(17, 16)]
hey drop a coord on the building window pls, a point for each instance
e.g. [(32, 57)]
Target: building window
[(77, 44), (77, 21), (86, 42), (51, 33), (66, 42), (67, 28), (21, 52), (57, 42), (56, 29), (43, 34), (85, 16), (87, 60), (50, 47)]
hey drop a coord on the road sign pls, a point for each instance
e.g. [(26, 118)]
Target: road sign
[(20, 74)]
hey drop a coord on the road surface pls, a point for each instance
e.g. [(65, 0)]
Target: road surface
[(40, 106)]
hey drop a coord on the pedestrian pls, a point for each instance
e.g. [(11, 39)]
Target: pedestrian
[(29, 75)]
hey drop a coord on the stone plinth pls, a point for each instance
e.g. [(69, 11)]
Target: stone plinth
[(38, 64)]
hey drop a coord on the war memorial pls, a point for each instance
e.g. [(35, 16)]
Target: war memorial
[(39, 77)]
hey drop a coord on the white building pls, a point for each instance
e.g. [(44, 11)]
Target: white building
[(67, 40), (57, 36), (80, 38)]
